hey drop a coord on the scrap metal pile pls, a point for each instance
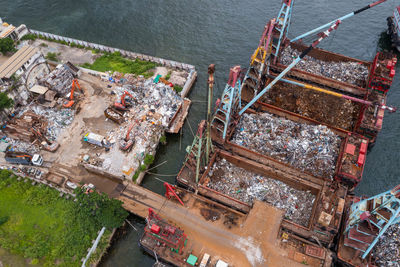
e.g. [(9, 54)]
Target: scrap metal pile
[(57, 119), (312, 148), (387, 250), (21, 146), (59, 80), (247, 186), (152, 108), (349, 72), (158, 99)]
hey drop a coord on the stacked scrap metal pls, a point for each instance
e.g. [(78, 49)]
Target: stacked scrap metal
[(349, 72), (387, 250), (312, 148), (247, 186), (59, 80)]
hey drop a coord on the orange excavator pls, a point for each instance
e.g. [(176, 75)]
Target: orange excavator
[(122, 105), (71, 101), (127, 143)]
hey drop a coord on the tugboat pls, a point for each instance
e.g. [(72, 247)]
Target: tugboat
[(393, 28)]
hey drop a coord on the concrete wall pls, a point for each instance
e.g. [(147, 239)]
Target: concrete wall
[(125, 53)]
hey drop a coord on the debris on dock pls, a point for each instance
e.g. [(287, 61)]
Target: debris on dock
[(247, 186), (312, 148), (349, 72)]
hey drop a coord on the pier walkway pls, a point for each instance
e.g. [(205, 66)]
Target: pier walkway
[(242, 240)]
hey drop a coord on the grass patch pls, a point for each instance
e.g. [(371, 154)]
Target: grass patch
[(51, 56), (148, 160), (168, 75), (115, 62), (41, 226), (178, 88)]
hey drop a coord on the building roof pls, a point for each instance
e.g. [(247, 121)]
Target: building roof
[(41, 90), (16, 61), (6, 30)]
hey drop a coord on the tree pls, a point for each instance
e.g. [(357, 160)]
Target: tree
[(6, 45), (5, 101)]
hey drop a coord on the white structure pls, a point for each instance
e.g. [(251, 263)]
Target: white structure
[(15, 33), (26, 64)]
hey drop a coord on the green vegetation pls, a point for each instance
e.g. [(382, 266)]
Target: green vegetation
[(163, 140), (178, 88), (51, 56), (29, 36), (6, 45), (115, 62), (41, 226), (148, 160), (168, 75), (5, 101)]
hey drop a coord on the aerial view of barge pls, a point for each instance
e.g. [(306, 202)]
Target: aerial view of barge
[(270, 176)]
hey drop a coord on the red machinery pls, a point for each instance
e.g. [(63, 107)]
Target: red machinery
[(159, 230), (127, 143), (71, 101), (170, 192), (122, 104)]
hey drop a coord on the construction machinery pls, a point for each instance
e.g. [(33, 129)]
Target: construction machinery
[(126, 144), (45, 142), (164, 240), (71, 102), (123, 104), (367, 221), (22, 158)]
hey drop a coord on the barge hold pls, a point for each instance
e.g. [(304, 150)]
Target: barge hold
[(319, 76)]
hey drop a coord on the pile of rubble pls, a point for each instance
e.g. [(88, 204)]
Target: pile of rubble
[(247, 186), (312, 148), (57, 119), (158, 99), (349, 72), (387, 251), (21, 146), (58, 80)]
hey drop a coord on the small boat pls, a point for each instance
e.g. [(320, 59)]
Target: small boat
[(393, 28)]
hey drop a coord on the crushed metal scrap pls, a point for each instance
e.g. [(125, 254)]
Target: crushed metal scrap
[(312, 148)]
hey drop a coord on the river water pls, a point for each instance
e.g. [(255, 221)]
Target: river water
[(223, 32)]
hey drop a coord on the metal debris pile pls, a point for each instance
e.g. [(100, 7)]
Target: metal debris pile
[(387, 251), (159, 99), (21, 146), (247, 186), (349, 72), (312, 148), (57, 119), (59, 80)]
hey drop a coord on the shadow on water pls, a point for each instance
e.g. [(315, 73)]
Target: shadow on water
[(385, 44), (124, 248)]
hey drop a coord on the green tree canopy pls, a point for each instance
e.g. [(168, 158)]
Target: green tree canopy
[(6, 45), (5, 101)]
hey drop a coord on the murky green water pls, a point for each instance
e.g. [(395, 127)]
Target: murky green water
[(223, 32)]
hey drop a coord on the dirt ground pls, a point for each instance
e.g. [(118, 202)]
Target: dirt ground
[(3, 59), (65, 53), (331, 110)]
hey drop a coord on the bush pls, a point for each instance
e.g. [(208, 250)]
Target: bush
[(148, 159), (5, 101), (52, 56), (178, 88), (168, 75), (6, 45), (29, 36)]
